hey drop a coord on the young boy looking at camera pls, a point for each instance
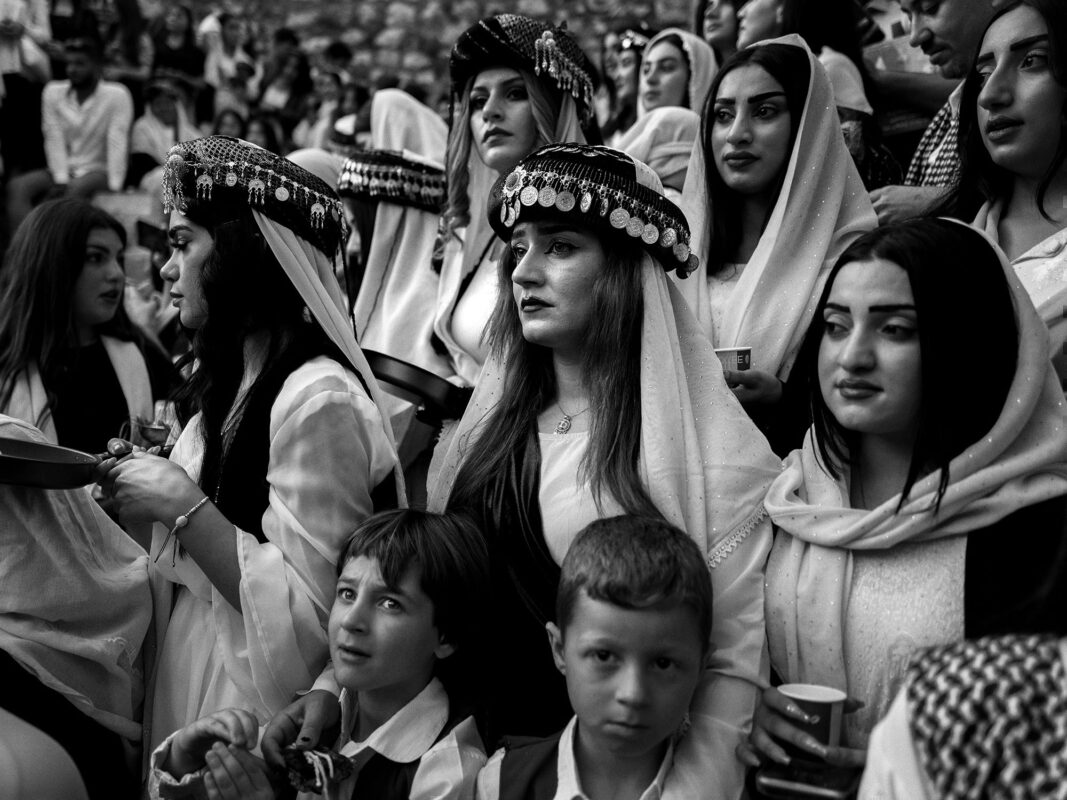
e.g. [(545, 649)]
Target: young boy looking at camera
[(633, 614), (405, 624)]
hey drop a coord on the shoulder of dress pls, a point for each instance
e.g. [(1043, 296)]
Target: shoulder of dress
[(321, 375)]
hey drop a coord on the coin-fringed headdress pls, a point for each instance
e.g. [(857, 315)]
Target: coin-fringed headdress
[(517, 41), (393, 177), (220, 171), (301, 220), (596, 187)]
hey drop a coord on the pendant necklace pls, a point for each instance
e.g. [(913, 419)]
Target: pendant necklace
[(564, 425)]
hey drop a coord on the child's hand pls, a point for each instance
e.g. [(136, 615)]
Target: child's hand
[(190, 745), (235, 774), (302, 723)]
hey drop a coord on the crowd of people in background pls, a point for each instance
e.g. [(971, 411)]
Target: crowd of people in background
[(525, 432)]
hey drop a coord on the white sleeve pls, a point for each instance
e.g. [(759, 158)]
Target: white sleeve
[(893, 771), (705, 762), (118, 137), (55, 144), (328, 450)]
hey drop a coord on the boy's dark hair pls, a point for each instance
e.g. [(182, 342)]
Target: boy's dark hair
[(453, 562), (635, 562)]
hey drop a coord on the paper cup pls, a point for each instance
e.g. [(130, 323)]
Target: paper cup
[(827, 704), (735, 358)]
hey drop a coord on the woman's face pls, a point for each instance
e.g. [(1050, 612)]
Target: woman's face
[(176, 20), (758, 20), (720, 25), (502, 123), (1020, 105), (664, 77), (870, 362), (99, 286), (556, 267), (191, 244), (751, 132)]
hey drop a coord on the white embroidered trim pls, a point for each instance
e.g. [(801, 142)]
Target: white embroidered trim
[(730, 543)]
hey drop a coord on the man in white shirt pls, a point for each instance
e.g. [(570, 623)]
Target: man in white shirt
[(86, 125)]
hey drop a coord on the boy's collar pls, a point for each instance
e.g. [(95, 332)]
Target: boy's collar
[(568, 783), (405, 736)]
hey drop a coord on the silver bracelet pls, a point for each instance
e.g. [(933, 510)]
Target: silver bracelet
[(180, 522)]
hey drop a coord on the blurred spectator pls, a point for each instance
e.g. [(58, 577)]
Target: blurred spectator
[(338, 57), (69, 19), (315, 128), (229, 123), (86, 125), (164, 124), (228, 67), (287, 93), (24, 69), (175, 43), (128, 51), (716, 22), (263, 130)]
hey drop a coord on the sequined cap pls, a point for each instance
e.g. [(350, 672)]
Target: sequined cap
[(522, 42), (595, 187), (222, 171), (391, 177)]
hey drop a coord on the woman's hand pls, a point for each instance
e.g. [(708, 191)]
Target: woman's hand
[(146, 488), (191, 744), (753, 386), (772, 722), (235, 774), (302, 723)]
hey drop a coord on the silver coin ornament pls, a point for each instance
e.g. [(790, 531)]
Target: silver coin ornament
[(650, 234), (281, 194), (619, 218), (546, 198), (528, 196), (586, 203), (565, 201), (669, 238)]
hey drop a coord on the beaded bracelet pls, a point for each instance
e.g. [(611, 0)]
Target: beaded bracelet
[(181, 521)]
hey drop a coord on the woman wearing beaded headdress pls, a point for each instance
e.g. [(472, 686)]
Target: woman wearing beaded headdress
[(774, 198), (602, 396), (283, 442), (517, 84)]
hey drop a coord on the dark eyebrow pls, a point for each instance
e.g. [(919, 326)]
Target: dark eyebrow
[(1022, 44), (177, 229), (517, 80), (756, 99), (888, 308)]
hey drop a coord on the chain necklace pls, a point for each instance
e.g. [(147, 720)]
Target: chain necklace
[(564, 425)]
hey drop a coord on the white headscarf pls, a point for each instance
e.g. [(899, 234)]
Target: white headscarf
[(821, 209), (702, 66), (395, 305), (1021, 462), (664, 138), (312, 274)]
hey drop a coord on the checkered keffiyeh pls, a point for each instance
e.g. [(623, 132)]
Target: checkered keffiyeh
[(936, 160), (989, 718)]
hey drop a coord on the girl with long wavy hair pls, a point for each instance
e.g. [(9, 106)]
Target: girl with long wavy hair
[(71, 362), (283, 444), (517, 84)]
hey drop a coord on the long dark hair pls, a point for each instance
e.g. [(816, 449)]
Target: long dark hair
[(979, 179), (43, 262), (612, 369), (245, 292), (833, 24), (969, 350), (789, 66)]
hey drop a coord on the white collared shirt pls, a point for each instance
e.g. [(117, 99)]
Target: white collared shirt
[(568, 782), (94, 136)]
